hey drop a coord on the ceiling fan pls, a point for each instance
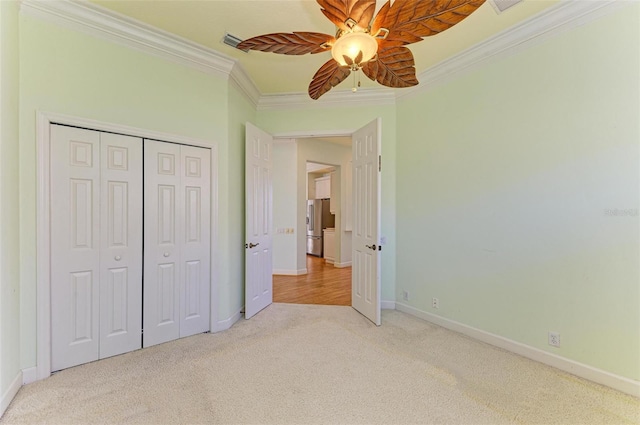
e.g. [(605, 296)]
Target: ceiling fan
[(374, 45)]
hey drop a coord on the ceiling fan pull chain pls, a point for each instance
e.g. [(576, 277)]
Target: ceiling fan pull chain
[(356, 85)]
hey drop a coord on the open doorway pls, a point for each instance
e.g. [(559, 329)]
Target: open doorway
[(312, 246), (358, 240)]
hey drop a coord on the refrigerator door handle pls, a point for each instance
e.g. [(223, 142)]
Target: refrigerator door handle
[(310, 219)]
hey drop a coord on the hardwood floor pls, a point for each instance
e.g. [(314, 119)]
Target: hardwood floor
[(323, 284)]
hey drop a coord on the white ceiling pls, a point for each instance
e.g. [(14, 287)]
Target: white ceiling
[(206, 22)]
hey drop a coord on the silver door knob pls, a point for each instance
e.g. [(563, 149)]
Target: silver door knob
[(166, 254), (117, 258)]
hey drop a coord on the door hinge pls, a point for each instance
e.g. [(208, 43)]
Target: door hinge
[(379, 162)]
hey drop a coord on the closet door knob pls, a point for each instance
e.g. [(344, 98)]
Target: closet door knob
[(166, 254), (117, 258)]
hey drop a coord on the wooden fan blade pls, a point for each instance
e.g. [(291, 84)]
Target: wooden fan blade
[(408, 21), (380, 18), (328, 76), (297, 43), (340, 11), (395, 67), (335, 11), (362, 12)]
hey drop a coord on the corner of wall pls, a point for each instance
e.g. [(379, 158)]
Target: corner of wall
[(223, 325), (10, 393)]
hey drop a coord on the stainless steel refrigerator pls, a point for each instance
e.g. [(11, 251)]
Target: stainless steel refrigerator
[(318, 218)]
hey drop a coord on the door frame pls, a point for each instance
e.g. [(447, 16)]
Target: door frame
[(302, 253), (43, 219), (304, 134)]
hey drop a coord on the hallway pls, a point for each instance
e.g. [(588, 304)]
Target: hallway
[(323, 284)]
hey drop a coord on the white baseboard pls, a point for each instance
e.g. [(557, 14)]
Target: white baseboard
[(342, 265), (29, 375), (388, 305), (225, 324), (287, 272), (620, 383), (11, 392)]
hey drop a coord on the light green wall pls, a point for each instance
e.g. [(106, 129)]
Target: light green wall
[(285, 205), (232, 262), (352, 118), (9, 210), (506, 177), (68, 72)]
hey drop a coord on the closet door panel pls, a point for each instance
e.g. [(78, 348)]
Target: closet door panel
[(163, 215), (196, 250), (75, 248), (121, 244)]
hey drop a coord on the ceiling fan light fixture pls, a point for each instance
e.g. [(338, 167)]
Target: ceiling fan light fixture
[(368, 41), (350, 45)]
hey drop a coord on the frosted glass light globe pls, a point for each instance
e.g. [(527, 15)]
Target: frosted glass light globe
[(351, 44)]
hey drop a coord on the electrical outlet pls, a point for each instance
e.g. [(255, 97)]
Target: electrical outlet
[(435, 303), (554, 339), (405, 295)]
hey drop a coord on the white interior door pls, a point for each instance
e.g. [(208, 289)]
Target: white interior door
[(365, 291), (96, 245), (163, 194), (177, 243), (259, 208), (75, 250), (196, 246), (120, 244)]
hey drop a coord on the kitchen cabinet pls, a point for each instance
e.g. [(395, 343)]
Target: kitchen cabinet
[(323, 187), (329, 245)]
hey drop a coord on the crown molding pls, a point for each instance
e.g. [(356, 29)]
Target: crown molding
[(97, 21), (243, 82), (363, 97), (562, 17), (100, 22)]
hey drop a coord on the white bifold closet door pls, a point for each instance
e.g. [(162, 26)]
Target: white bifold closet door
[(96, 245), (177, 188)]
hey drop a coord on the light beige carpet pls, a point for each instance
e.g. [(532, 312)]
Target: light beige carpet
[(294, 364)]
